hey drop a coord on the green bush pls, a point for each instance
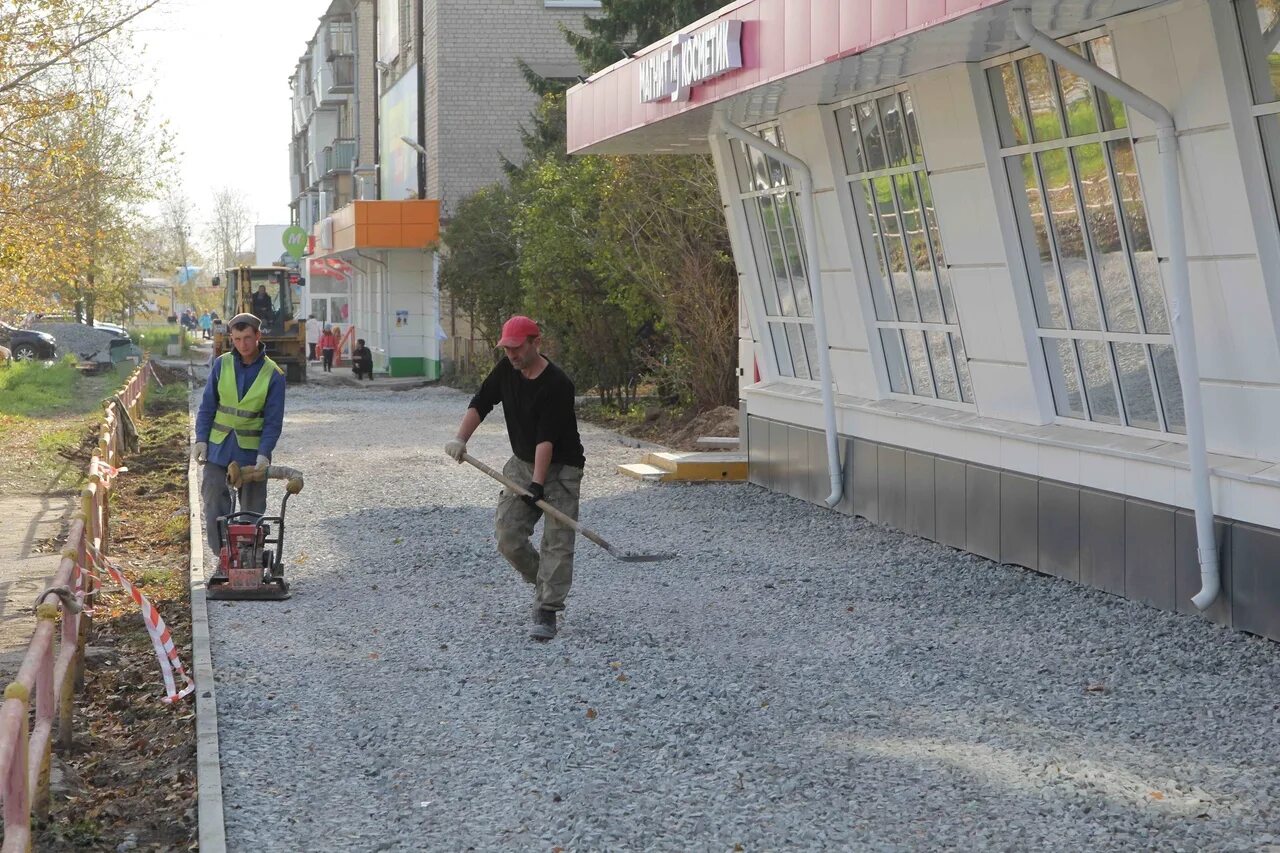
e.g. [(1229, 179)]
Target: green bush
[(33, 388)]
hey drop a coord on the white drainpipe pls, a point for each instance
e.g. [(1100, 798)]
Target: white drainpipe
[(809, 227), (1184, 338)]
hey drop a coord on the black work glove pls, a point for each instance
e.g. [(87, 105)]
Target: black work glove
[(536, 493)]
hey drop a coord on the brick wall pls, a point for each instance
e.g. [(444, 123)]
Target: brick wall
[(477, 98), (366, 83)]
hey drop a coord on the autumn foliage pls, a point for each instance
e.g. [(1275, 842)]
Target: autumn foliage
[(77, 160)]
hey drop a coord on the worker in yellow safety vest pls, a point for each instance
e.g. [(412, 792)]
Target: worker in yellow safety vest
[(240, 419)]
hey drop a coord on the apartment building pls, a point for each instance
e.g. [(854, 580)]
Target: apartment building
[(1010, 271), (400, 109)]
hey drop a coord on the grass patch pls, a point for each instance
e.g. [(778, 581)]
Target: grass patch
[(156, 339), (178, 529), (34, 388), (58, 439)]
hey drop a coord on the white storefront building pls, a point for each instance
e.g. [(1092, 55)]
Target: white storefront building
[(1016, 274)]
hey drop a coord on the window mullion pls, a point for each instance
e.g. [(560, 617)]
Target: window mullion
[(1052, 238), (906, 247), (1155, 387), (955, 367), (933, 251), (887, 272), (1115, 383), (1086, 236), (1123, 231), (1082, 379)]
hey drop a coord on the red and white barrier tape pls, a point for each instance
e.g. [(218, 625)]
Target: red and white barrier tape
[(104, 471), (161, 639)]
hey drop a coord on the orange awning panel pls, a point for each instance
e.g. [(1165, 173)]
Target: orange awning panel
[(408, 224)]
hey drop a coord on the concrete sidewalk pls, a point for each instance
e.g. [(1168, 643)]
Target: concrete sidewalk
[(24, 570)]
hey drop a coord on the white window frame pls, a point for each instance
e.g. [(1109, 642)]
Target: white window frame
[(1262, 179), (741, 201), (1000, 155), (853, 206)]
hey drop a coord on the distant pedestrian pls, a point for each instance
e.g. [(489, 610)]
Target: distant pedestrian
[(328, 343), (314, 327), (362, 361), (206, 325)]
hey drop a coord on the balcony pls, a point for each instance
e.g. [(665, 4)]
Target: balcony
[(339, 157), (344, 74)]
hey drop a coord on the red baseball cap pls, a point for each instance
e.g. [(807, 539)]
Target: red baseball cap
[(517, 330)]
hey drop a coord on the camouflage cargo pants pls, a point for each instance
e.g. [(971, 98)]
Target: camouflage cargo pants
[(550, 568)]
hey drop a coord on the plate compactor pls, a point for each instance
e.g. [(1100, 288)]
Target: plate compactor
[(251, 561)]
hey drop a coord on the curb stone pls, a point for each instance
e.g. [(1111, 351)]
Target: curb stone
[(212, 825)]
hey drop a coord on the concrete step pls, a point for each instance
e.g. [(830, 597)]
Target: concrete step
[(702, 466), (718, 442), (642, 471)]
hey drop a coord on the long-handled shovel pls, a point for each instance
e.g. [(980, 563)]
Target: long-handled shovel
[(625, 556)]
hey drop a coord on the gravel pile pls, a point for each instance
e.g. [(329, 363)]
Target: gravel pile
[(85, 341), (796, 680)]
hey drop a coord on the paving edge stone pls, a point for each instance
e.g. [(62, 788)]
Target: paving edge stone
[(212, 825)]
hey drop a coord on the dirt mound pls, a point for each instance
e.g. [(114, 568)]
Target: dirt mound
[(720, 421)]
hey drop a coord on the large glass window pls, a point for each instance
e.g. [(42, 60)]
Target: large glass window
[(769, 205), (915, 310), (1260, 30), (1095, 279)]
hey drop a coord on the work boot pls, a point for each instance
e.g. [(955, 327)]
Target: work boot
[(544, 624)]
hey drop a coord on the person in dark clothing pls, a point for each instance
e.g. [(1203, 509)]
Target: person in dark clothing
[(362, 360), (537, 400), (260, 305)]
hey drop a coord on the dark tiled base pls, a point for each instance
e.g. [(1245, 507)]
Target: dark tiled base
[(1138, 549)]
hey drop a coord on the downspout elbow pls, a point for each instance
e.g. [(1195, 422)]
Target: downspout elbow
[(1210, 585)]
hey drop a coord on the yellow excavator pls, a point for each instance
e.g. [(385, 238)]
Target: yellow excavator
[(268, 293)]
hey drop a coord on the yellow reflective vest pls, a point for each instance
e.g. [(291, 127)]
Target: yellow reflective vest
[(241, 415)]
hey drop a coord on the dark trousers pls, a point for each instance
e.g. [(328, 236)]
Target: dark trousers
[(215, 494), (328, 360), (311, 348), (363, 369)]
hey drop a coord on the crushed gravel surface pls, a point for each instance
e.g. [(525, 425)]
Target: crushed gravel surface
[(796, 679)]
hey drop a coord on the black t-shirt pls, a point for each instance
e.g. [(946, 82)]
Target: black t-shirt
[(536, 410)]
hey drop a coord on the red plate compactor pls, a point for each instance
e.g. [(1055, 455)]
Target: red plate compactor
[(251, 562)]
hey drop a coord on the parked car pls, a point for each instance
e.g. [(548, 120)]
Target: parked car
[(27, 345)]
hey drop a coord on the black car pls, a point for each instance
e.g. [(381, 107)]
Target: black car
[(27, 345)]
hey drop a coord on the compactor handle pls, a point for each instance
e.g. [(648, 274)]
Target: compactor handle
[(238, 475)]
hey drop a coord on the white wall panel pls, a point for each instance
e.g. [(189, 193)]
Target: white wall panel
[(1211, 164), (1144, 54), (1203, 100), (967, 217), (1004, 391), (988, 314), (845, 328), (833, 242), (1234, 335), (946, 118), (1240, 420)]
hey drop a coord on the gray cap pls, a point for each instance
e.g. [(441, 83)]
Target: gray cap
[(251, 319)]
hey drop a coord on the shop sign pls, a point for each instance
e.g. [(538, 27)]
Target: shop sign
[(690, 59)]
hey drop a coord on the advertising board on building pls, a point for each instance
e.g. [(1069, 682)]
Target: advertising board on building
[(689, 60)]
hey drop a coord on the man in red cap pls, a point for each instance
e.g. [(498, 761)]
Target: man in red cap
[(537, 402)]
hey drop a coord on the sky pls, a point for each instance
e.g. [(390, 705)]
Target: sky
[(219, 72)]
